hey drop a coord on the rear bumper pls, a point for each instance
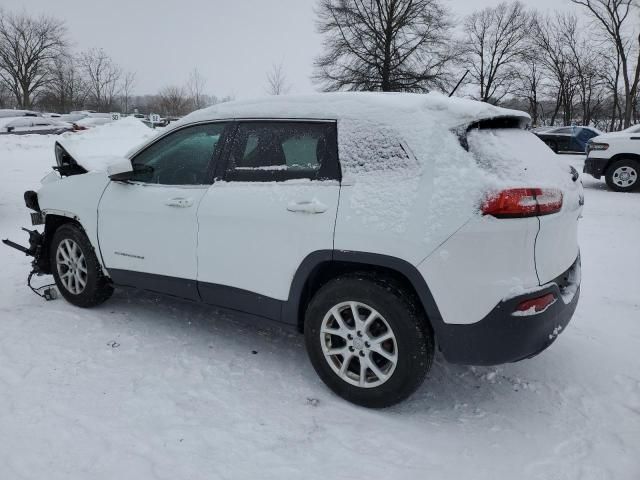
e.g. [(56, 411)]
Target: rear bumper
[(501, 337), (595, 166)]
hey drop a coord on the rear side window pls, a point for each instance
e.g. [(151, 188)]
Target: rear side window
[(279, 151)]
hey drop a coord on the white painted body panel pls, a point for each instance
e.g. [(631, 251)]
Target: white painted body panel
[(557, 243), (142, 229), (75, 197), (248, 238), (483, 263)]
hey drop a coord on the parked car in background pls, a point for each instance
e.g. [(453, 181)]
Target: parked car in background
[(334, 214), (616, 156), (567, 139), (8, 113), (73, 117), (87, 119), (33, 125), (95, 120)]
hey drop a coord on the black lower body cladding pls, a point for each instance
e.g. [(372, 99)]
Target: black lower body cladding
[(502, 337), (595, 166)]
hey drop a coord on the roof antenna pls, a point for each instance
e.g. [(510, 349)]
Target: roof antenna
[(459, 83)]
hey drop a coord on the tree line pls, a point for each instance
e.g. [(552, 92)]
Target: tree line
[(38, 70), (561, 68)]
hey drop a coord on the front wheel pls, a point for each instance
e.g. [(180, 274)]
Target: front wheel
[(76, 269), (622, 175), (367, 340)]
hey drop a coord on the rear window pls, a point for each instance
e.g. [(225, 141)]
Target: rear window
[(509, 153)]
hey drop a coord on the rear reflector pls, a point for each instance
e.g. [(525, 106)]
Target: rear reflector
[(536, 305), (523, 202)]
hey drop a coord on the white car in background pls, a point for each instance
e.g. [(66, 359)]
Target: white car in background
[(616, 156), (380, 226), (10, 113), (29, 125)]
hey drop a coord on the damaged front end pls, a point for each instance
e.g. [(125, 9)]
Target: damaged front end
[(37, 247)]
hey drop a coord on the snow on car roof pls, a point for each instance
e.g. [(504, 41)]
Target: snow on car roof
[(375, 106), (6, 113)]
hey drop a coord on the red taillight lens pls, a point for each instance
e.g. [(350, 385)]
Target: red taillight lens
[(523, 202), (537, 305)]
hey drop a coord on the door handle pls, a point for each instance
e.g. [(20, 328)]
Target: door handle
[(307, 206), (179, 202)]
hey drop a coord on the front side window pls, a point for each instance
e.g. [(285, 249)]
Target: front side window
[(278, 151), (180, 158)]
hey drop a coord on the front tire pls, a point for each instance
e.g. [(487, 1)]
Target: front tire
[(623, 175), (76, 270), (368, 340)]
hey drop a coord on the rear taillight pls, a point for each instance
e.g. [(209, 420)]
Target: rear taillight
[(523, 202), (536, 305)]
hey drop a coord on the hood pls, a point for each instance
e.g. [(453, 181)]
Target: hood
[(612, 135)]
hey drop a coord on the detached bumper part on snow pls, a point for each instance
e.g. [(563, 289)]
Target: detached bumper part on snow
[(506, 335), (595, 167)]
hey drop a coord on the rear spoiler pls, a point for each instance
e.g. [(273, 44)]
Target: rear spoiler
[(505, 121)]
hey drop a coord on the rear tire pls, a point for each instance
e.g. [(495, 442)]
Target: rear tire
[(623, 175), (76, 270), (388, 347)]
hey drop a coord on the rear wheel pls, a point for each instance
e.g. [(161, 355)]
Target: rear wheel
[(76, 269), (623, 175), (367, 340)]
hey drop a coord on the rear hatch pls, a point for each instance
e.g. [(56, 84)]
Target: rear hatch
[(517, 159)]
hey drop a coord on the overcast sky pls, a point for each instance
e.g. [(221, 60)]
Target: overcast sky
[(233, 43)]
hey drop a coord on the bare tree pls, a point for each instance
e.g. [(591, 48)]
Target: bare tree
[(7, 100), (102, 76), (277, 81), (556, 60), (195, 87), (587, 64), (126, 88), (66, 89), (528, 84), (615, 19), (494, 43), (28, 47), (173, 101), (387, 45)]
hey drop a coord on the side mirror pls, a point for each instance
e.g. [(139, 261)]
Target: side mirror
[(120, 171), (10, 129)]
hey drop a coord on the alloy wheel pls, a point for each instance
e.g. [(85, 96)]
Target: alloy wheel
[(72, 266), (359, 344)]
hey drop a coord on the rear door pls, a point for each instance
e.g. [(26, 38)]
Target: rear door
[(277, 205), (147, 228)]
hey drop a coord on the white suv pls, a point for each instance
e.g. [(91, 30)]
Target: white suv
[(381, 226), (616, 155)]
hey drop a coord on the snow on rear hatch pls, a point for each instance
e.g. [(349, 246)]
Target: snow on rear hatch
[(517, 158)]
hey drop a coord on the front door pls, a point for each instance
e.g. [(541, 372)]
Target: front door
[(147, 228)]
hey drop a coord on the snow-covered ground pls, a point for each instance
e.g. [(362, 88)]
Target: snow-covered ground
[(152, 388)]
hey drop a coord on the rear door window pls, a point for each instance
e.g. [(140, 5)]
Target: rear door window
[(284, 150)]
